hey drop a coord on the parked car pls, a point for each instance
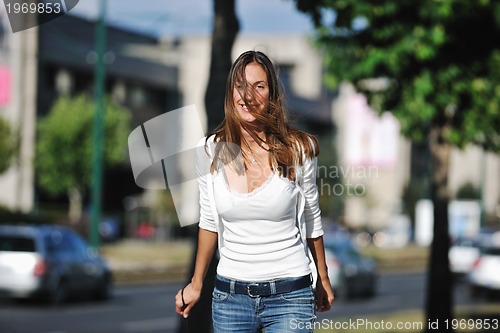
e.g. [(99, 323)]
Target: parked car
[(485, 273), (351, 273), (52, 262), (462, 255)]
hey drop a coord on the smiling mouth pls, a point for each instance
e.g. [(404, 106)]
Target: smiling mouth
[(248, 108)]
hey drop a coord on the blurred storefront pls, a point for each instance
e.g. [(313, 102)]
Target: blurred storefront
[(374, 159)]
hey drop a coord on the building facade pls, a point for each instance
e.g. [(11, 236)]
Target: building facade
[(18, 63)]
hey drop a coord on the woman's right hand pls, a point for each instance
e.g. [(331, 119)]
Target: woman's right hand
[(186, 298), (207, 243)]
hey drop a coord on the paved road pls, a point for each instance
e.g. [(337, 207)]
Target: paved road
[(149, 308)]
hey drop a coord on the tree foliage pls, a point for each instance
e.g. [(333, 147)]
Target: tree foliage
[(64, 145), (440, 58), (8, 145)]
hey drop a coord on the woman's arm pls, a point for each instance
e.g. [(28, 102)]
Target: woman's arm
[(324, 292), (314, 234), (312, 212), (187, 297)]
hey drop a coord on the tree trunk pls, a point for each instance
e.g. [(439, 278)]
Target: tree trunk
[(224, 33), (225, 29), (439, 287)]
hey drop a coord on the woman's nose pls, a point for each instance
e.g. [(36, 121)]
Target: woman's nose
[(249, 96)]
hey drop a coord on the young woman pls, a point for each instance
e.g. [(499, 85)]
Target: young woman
[(259, 205)]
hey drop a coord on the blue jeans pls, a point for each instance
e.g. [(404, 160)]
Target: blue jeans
[(291, 312)]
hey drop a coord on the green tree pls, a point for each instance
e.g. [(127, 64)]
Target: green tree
[(468, 191), (64, 147), (439, 65), (8, 145)]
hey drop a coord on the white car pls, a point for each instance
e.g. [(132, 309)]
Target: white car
[(50, 261), (462, 256), (485, 274)]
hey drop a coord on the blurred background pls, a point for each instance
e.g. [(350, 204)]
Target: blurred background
[(404, 102)]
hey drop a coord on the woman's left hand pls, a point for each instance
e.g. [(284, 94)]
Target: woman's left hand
[(324, 294)]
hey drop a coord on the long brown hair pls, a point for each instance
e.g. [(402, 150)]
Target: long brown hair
[(286, 144)]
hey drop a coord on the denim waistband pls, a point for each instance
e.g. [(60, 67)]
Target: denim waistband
[(262, 288)]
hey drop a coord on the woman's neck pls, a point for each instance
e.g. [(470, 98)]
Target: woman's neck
[(251, 141)]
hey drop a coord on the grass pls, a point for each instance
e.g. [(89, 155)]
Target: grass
[(138, 261), (411, 257), (171, 252), (467, 319)]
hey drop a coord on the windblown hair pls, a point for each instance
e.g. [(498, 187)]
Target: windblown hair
[(287, 145)]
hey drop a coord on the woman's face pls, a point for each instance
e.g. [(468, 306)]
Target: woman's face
[(256, 99)]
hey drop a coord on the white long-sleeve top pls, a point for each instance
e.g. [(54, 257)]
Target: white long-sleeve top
[(261, 235)]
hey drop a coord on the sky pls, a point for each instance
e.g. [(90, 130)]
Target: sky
[(180, 17)]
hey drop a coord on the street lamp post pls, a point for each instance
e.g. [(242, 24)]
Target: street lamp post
[(98, 135)]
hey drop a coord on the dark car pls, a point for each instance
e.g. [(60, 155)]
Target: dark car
[(52, 262), (351, 273)]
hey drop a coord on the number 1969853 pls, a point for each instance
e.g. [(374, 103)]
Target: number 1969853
[(49, 7)]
